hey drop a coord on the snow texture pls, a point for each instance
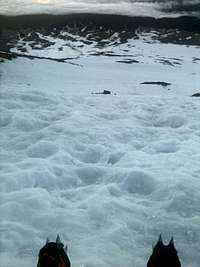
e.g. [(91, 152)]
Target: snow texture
[(109, 173)]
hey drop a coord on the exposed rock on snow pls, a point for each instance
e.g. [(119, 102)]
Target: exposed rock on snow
[(108, 173), (196, 95), (164, 84)]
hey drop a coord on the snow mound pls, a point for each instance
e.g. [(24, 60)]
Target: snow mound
[(138, 182)]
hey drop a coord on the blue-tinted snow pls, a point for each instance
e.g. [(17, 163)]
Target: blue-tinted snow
[(109, 173)]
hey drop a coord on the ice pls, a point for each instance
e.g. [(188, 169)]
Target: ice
[(109, 173)]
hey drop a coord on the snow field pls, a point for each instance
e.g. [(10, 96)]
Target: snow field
[(175, 64), (109, 173)]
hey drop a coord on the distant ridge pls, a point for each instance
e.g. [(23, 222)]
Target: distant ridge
[(187, 23)]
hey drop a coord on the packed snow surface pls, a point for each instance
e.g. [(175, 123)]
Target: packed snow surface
[(109, 173)]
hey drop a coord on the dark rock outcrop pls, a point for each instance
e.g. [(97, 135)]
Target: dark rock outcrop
[(196, 95), (164, 84)]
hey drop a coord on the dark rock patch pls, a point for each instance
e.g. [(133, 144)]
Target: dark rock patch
[(102, 29), (128, 61), (22, 49), (166, 62), (196, 95), (104, 92), (107, 54), (195, 59), (6, 55), (164, 84)]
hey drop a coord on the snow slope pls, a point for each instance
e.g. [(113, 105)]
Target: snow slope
[(109, 173)]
